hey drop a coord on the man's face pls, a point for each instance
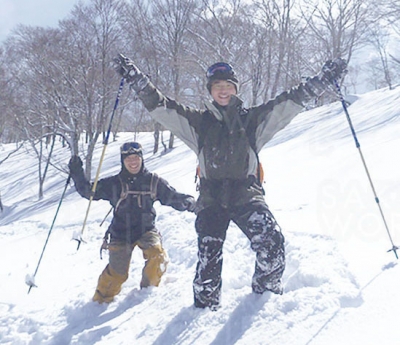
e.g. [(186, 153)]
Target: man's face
[(133, 163), (221, 91)]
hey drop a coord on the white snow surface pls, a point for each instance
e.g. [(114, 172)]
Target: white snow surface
[(341, 284)]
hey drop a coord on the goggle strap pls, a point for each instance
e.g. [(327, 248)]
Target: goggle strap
[(131, 150)]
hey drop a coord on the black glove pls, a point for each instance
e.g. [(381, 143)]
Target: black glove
[(75, 164), (333, 70), (189, 204), (128, 70)]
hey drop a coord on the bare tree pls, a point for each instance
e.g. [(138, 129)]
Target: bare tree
[(157, 38), (379, 39), (221, 31), (32, 101), (339, 25), (172, 19), (260, 64), (276, 18), (61, 79), (392, 13), (283, 34), (19, 146), (3, 97), (388, 13), (141, 43), (91, 37)]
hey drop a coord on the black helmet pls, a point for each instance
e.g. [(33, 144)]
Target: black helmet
[(221, 71)]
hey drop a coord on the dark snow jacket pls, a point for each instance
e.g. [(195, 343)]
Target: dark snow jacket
[(227, 140), (132, 198)]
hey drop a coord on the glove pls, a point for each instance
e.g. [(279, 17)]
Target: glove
[(333, 70), (189, 204), (127, 69), (75, 164)]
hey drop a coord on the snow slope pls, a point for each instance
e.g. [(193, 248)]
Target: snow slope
[(340, 282)]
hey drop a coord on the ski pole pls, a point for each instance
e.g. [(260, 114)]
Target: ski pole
[(353, 132), (30, 280), (105, 143)]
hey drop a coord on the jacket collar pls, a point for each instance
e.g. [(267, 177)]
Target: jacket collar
[(127, 176)]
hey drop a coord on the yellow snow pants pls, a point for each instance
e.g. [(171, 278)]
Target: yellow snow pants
[(120, 254)]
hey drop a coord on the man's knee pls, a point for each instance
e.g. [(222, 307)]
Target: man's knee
[(156, 254), (265, 232), (155, 266)]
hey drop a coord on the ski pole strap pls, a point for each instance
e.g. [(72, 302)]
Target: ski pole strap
[(104, 219), (104, 245)]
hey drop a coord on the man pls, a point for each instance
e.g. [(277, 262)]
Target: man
[(227, 139), (132, 193)]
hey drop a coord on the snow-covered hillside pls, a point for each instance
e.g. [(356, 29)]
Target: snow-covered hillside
[(341, 284)]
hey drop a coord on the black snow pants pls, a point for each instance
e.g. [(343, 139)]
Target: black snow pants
[(266, 240)]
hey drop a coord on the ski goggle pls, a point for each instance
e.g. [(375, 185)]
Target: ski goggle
[(220, 68), (131, 148)]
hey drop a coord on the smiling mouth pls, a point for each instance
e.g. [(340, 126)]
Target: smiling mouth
[(224, 96)]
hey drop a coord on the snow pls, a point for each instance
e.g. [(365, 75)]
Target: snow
[(340, 281)]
